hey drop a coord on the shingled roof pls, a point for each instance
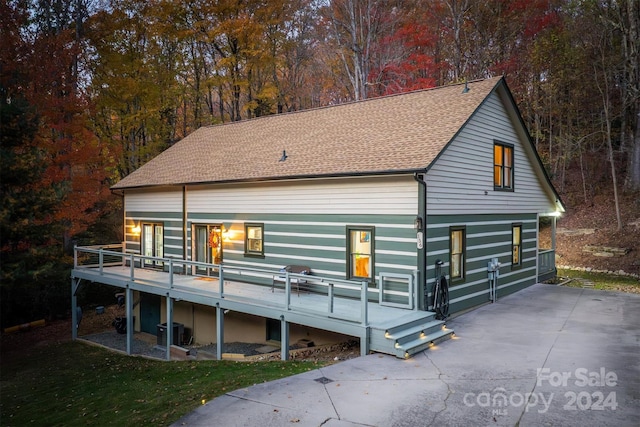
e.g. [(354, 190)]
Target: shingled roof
[(398, 133)]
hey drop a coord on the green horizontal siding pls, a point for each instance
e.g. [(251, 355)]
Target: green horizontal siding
[(315, 240), (487, 236)]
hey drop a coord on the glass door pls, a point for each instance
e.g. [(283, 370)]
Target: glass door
[(208, 248), (152, 243)]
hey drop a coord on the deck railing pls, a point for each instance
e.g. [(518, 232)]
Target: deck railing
[(546, 264), (177, 270)]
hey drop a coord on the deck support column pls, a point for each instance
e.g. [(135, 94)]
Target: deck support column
[(364, 342), (169, 325), (284, 339), (129, 311), (74, 308), (364, 301), (554, 222), (219, 331)]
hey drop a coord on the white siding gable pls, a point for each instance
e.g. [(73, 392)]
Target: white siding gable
[(393, 195), (153, 201), (461, 180)]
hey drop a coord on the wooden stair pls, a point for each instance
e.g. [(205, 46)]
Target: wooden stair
[(408, 334)]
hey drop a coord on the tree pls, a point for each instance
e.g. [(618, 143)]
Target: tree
[(133, 82), (357, 27), (53, 167)]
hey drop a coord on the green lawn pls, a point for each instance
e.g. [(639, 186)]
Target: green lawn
[(75, 384), (603, 281)]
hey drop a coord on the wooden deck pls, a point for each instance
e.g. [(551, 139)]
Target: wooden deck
[(323, 309)]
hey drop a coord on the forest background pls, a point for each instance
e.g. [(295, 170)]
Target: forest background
[(92, 89)]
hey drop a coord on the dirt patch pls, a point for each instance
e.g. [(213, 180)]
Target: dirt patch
[(94, 324), (599, 218)]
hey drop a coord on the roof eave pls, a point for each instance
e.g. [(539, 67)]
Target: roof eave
[(558, 200), (277, 178), (471, 116)]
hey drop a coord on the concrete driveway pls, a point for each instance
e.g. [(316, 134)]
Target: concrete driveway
[(545, 356)]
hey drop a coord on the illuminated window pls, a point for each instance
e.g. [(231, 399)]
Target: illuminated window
[(502, 167), (254, 244), (457, 253), (360, 242), (516, 251)]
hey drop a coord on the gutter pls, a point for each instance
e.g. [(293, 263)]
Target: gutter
[(270, 179)]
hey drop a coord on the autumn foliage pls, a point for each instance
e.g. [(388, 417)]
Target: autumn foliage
[(90, 91)]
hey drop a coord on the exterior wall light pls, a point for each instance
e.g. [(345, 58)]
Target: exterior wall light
[(135, 230), (226, 234)]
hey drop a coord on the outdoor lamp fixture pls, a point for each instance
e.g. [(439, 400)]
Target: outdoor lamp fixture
[(417, 223), (136, 230), (225, 234)]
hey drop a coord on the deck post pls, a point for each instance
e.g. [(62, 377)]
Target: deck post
[(169, 325), (129, 303), (219, 331), (287, 290), (221, 281), (364, 303), (101, 261), (284, 339), (170, 273), (364, 342), (554, 222), (74, 308), (330, 293)]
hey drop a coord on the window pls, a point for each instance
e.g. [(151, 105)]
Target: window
[(457, 253), (502, 167), (360, 242), (253, 244), (516, 248), (152, 243)]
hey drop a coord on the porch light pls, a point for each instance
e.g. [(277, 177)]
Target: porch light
[(417, 223), (226, 234), (136, 230)]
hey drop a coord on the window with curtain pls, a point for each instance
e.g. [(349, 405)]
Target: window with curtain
[(502, 166), (254, 239), (457, 253), (516, 245), (360, 244)]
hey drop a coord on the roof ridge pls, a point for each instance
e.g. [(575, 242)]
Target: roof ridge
[(393, 133), (348, 103)]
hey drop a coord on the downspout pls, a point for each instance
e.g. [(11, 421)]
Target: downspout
[(422, 253), (124, 224), (184, 225)]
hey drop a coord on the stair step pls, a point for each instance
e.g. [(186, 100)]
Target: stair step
[(412, 347), (394, 330), (413, 332)]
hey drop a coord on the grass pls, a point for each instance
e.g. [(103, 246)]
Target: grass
[(75, 384), (602, 281)]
